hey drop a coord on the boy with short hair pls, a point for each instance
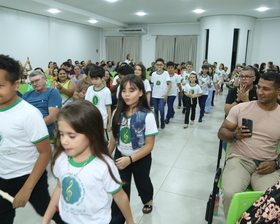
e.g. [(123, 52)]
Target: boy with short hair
[(176, 83), (185, 80), (24, 148), (100, 95), (161, 88)]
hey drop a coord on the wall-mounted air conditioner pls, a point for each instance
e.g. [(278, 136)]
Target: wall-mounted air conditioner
[(132, 31)]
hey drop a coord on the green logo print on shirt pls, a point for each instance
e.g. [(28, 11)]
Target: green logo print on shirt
[(191, 91), (125, 135), (158, 83), (95, 100)]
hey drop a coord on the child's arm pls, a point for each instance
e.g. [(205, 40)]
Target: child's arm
[(196, 96), (52, 205), (148, 95), (168, 90), (124, 161), (24, 193), (180, 88), (112, 144), (121, 200), (108, 108)]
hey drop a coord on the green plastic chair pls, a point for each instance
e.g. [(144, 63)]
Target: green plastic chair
[(23, 88), (113, 74), (48, 77), (240, 203)]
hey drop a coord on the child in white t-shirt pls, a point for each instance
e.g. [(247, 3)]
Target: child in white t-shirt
[(134, 129), (176, 84), (85, 171), (192, 91), (24, 148), (205, 82), (161, 87), (185, 80), (100, 95)]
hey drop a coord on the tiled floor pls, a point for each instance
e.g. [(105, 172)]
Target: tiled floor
[(184, 162)]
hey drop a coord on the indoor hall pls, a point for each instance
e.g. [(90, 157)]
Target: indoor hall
[(183, 170)]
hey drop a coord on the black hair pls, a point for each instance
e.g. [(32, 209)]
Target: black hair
[(182, 63), (66, 63), (272, 76), (11, 66), (160, 59), (125, 70), (89, 67), (171, 63), (205, 67), (39, 68), (97, 72), (136, 83)]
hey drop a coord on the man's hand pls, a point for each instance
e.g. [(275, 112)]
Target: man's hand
[(242, 132), (266, 167), (243, 94), (21, 198)]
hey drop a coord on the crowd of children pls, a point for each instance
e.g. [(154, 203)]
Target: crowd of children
[(82, 161)]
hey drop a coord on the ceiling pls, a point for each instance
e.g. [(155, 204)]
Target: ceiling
[(122, 12)]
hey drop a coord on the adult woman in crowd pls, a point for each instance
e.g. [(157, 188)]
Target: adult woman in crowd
[(77, 76), (262, 68), (50, 68), (65, 86)]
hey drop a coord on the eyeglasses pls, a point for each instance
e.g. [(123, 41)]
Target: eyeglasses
[(159, 65), (35, 81), (246, 77)]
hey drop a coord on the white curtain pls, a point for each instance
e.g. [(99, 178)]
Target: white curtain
[(165, 47), (114, 48), (177, 48), (132, 46), (185, 49)]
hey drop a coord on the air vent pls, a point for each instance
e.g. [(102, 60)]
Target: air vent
[(133, 31)]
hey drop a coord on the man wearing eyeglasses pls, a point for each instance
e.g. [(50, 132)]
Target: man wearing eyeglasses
[(46, 100), (245, 92)]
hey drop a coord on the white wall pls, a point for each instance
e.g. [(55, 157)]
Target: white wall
[(266, 41), (45, 39), (221, 29)]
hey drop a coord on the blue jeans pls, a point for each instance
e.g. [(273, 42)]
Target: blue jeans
[(179, 100), (170, 109), (209, 101), (202, 99), (159, 106)]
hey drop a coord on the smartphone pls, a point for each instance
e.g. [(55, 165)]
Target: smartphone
[(248, 123), (257, 162)]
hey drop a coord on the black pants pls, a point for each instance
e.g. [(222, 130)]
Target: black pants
[(141, 174), (190, 107), (39, 198)]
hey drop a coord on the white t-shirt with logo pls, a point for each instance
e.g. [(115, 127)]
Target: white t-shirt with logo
[(185, 76), (84, 198), (175, 80), (192, 89), (100, 98), (160, 84), (203, 83), (21, 126), (125, 145)]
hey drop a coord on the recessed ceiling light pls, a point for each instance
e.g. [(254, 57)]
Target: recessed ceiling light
[(198, 11), (112, 0), (141, 13), (93, 21), (262, 9), (53, 11)]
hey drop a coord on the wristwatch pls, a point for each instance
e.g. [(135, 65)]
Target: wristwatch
[(237, 101), (234, 136), (277, 163)]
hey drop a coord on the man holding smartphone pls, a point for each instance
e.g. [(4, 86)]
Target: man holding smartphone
[(247, 146)]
